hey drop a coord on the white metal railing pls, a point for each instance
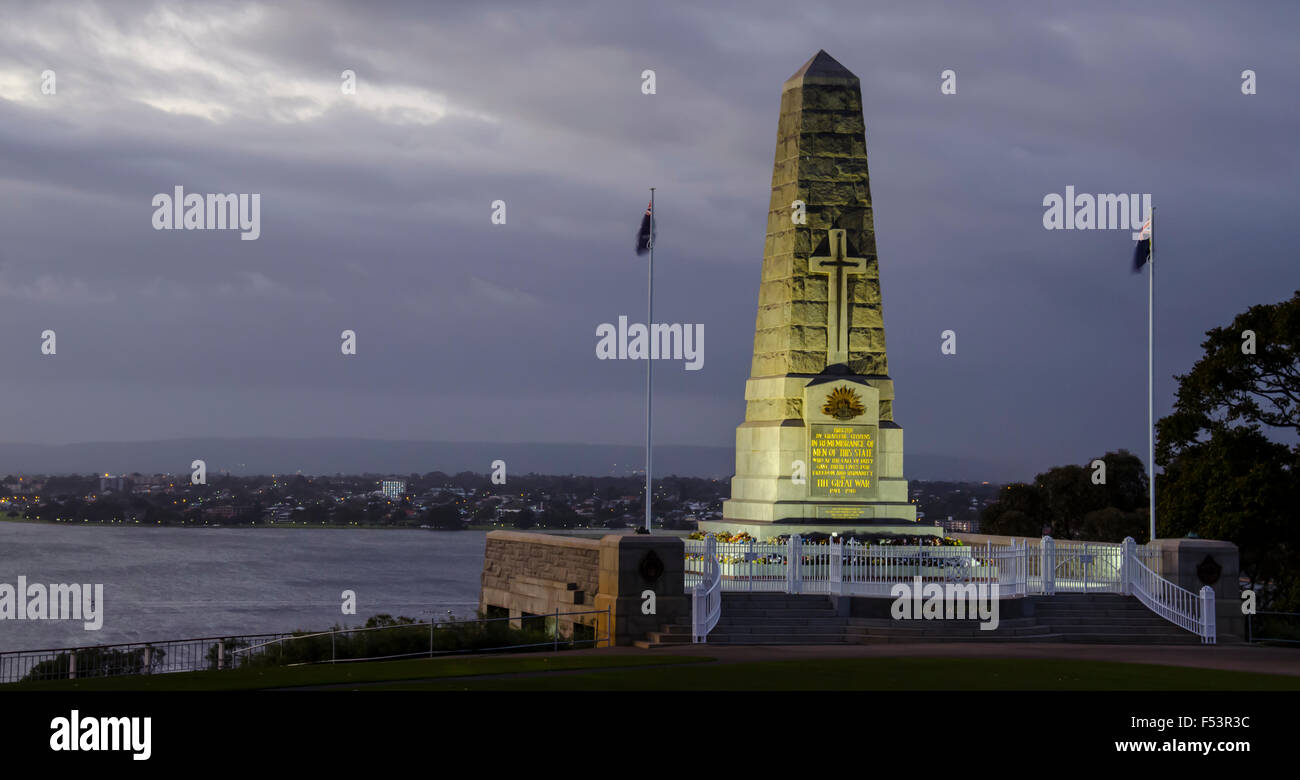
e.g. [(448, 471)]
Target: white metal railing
[(1185, 609), (1080, 567), (748, 566), (849, 568), (1067, 566), (706, 599), (1024, 567), (873, 570)]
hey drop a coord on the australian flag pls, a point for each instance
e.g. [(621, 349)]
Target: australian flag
[(1143, 251), (645, 238)]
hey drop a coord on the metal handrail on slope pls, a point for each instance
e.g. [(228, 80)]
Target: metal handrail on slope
[(1193, 612), (706, 599)]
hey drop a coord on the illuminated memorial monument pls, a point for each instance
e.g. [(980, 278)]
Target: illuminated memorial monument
[(819, 449)]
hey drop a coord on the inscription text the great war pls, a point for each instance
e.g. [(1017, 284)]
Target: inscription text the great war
[(842, 460)]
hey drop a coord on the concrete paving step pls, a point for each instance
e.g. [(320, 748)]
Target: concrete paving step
[(768, 601), (775, 597), (766, 604), (756, 628), (758, 614), (668, 639), (1088, 625), (754, 609), (1126, 615), (756, 596), (813, 629), (1066, 601), (777, 639), (759, 609), (775, 607), (903, 640), (1180, 638), (1084, 597), (1151, 630), (650, 644), (675, 629), (888, 622), (924, 634), (793, 623), (1127, 604), (1118, 614)]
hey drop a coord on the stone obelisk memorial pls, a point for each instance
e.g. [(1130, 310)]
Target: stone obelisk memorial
[(819, 449)]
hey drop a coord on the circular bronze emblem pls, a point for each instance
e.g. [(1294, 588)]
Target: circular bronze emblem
[(1208, 571), (652, 568)]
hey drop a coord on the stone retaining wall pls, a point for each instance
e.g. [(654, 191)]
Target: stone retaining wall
[(526, 574), (635, 581)]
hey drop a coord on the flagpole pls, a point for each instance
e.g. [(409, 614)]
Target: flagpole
[(649, 365), (1151, 406)]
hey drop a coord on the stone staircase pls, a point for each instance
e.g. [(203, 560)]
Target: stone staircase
[(1108, 618), (764, 619), (781, 619)]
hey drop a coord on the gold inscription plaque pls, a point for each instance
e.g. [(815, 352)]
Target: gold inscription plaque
[(836, 512), (842, 461)]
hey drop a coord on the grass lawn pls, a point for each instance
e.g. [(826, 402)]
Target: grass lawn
[(884, 674), (344, 674), (683, 673)]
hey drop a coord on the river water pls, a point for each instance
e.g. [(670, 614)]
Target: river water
[(176, 583)]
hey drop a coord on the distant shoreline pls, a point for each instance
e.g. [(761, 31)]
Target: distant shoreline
[(303, 526), (331, 527)]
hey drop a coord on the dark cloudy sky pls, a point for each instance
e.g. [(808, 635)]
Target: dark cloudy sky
[(375, 211)]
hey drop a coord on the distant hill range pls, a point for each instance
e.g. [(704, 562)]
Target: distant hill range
[(373, 456)]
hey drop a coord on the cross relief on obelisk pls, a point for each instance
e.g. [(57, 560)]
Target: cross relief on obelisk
[(820, 406), (837, 268)]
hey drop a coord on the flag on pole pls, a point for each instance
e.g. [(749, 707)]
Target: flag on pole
[(1142, 252), (645, 237)]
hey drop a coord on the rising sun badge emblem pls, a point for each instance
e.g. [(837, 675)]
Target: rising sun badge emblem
[(843, 404)]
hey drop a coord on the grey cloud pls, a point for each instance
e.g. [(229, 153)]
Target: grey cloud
[(376, 213)]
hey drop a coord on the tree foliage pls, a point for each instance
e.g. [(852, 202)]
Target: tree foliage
[(444, 517), (1229, 448), (1067, 503), (525, 519), (1231, 386)]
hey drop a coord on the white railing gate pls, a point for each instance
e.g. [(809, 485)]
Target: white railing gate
[(836, 568), (1047, 565), (794, 565)]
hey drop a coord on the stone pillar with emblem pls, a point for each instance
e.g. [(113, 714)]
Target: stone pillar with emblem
[(819, 449)]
